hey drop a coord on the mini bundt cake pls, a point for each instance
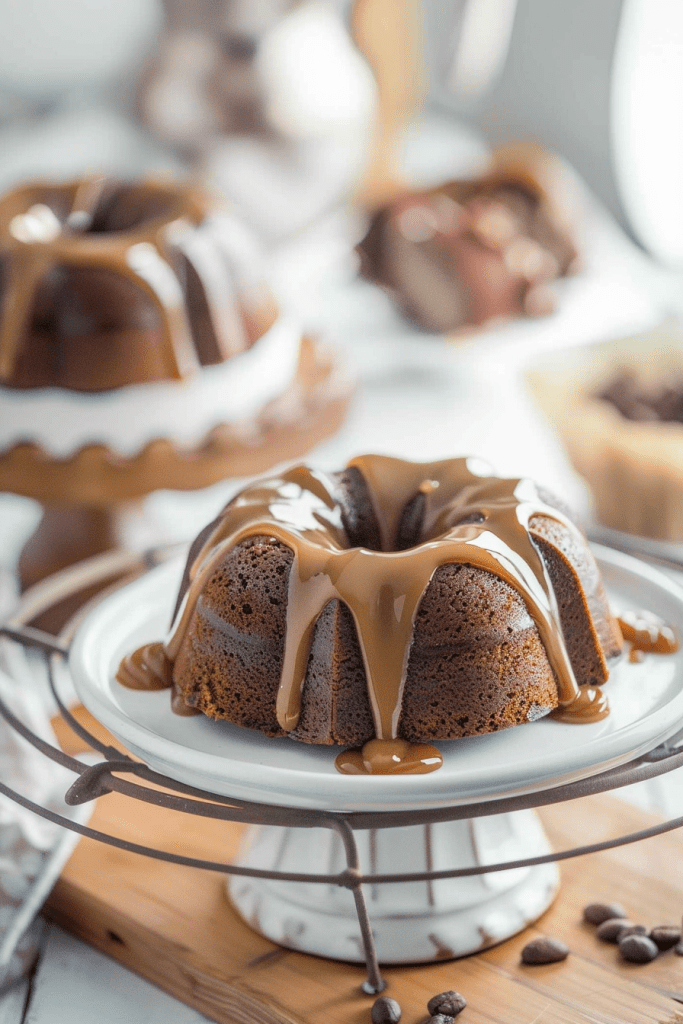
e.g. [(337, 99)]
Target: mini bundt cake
[(393, 601), (477, 250)]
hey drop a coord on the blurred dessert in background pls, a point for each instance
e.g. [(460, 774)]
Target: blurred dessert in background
[(637, 398), (140, 348), (269, 101), (618, 408), (479, 250)]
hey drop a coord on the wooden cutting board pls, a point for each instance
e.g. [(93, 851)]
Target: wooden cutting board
[(174, 926)]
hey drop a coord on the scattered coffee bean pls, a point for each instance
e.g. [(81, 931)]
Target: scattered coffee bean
[(544, 951), (638, 949), (633, 929), (665, 936), (441, 1018), (611, 930), (596, 913), (448, 1004), (385, 1011)]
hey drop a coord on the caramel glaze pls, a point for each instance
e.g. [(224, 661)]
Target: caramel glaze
[(148, 668), (142, 233), (481, 521), (590, 705), (389, 757), (647, 634)]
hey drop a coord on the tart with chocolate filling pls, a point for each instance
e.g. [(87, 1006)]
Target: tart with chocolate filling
[(618, 408)]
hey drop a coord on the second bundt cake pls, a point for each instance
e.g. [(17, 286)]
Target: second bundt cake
[(107, 283), (393, 600), (141, 346)]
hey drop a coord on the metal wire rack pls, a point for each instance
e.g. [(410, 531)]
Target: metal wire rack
[(117, 772)]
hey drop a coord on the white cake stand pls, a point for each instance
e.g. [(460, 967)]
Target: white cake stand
[(430, 917)]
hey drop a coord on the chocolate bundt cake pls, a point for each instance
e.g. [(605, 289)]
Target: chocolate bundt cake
[(392, 602), (106, 283), (142, 348)]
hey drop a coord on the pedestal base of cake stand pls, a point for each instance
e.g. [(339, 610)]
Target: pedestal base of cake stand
[(68, 534), (412, 922)]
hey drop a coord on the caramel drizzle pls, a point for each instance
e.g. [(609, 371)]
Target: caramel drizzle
[(389, 757), (148, 668), (647, 634), (143, 254), (383, 589), (591, 705)]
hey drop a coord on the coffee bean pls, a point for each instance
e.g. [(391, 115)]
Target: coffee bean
[(665, 936), (638, 949), (385, 1011), (611, 930), (679, 949), (633, 929), (544, 951), (441, 1018), (596, 913), (448, 1004)]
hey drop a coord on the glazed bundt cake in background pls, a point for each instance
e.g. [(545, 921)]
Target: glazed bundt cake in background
[(141, 347), (393, 601), (107, 283), (477, 250)]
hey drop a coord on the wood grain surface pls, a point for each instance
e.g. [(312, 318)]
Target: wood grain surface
[(174, 926)]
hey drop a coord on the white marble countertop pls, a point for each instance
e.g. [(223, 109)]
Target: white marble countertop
[(420, 398)]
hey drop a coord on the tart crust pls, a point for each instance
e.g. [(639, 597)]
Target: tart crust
[(634, 468)]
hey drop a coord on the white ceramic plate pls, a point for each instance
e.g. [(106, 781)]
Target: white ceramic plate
[(646, 701), (646, 547)]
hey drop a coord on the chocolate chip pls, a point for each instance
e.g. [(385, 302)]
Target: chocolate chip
[(612, 929), (596, 913), (385, 1011), (665, 936), (448, 1004), (638, 949), (544, 951)]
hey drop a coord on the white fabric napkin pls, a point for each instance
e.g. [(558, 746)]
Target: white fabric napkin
[(32, 849)]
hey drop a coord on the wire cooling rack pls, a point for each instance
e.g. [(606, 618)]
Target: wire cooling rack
[(116, 772)]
